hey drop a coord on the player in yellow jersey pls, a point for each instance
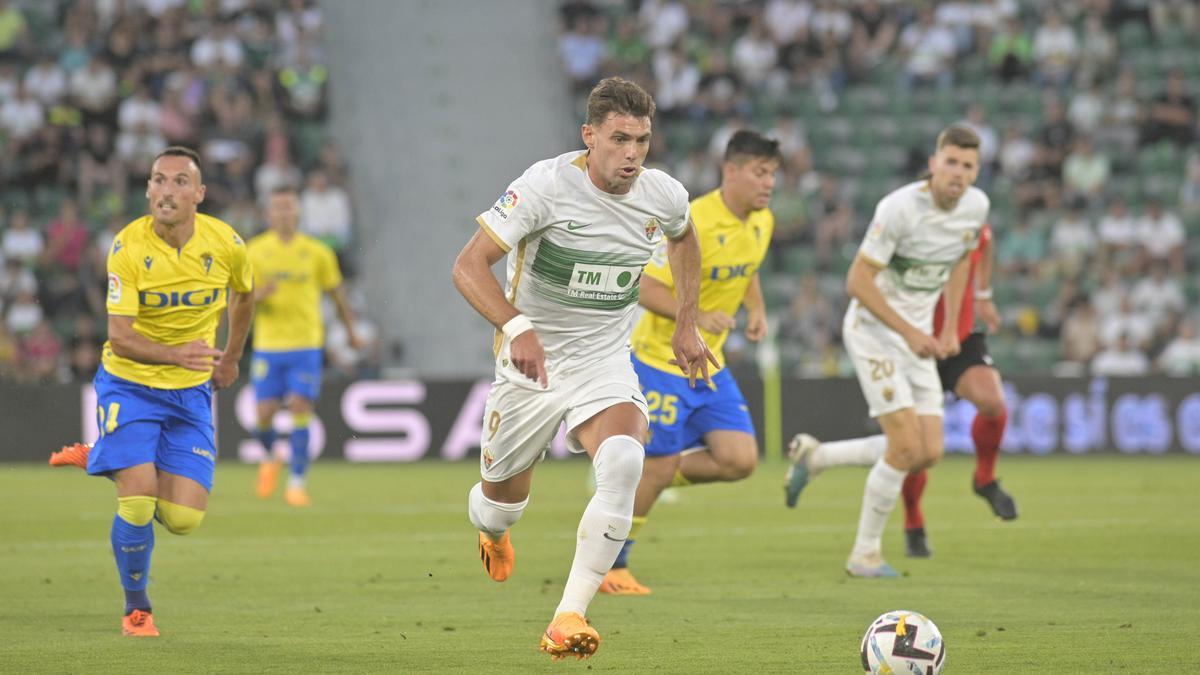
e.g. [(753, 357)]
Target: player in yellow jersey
[(170, 275), (291, 270), (735, 227)]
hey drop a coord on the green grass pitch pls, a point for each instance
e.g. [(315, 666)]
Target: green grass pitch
[(1099, 574)]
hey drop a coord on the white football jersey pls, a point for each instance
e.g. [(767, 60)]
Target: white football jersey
[(917, 244), (576, 254)]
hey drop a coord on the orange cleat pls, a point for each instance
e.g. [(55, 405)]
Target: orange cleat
[(497, 556), (268, 475), (72, 455), (139, 624), (569, 634), (297, 496), (620, 581)]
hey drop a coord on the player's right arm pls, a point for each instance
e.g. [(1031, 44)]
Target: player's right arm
[(473, 278), (877, 249), (125, 341)]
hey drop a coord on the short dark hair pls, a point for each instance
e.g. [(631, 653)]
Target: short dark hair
[(747, 144), (180, 151), (958, 135), (285, 188), (620, 96)]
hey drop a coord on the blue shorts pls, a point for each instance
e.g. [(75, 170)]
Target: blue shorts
[(277, 374), (171, 428), (680, 416)]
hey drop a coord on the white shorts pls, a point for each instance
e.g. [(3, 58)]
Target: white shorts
[(521, 419), (891, 376)]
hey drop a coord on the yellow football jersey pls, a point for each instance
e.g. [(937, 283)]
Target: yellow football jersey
[(301, 269), (175, 295), (731, 252)]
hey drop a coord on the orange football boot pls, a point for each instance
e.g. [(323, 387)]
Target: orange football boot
[(297, 496), (569, 634), (497, 556), (620, 581), (268, 475), (139, 624), (72, 455)]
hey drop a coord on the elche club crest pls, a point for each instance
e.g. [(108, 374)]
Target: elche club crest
[(651, 228)]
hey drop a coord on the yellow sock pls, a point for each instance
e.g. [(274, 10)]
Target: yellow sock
[(638, 522), (679, 480)]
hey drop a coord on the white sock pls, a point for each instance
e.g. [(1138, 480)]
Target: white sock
[(879, 498), (295, 481), (606, 520), (490, 517), (854, 452)]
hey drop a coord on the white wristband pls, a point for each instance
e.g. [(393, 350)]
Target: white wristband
[(983, 294), (516, 325)]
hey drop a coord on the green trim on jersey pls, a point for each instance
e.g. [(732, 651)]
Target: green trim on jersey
[(587, 279), (919, 275)]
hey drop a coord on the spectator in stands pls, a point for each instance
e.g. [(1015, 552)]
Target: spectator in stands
[(14, 31), (875, 31), (1158, 295), (1118, 234), (1113, 289), (41, 351), (99, 165), (663, 21), (46, 81), (678, 80), (67, 238), (21, 244), (1086, 173), (1122, 114), (1161, 235), (1174, 16), (754, 54), (809, 325), (627, 50), (1011, 51), (583, 50), (24, 313), (1122, 359), (833, 219), (15, 280), (94, 89), (697, 172), (325, 211), (989, 142), (218, 48), (928, 51), (1055, 49), (1021, 251), (1085, 112), (1129, 323), (1073, 241), (1079, 336), (1097, 50), (1172, 114), (1181, 358), (21, 117), (1054, 138)]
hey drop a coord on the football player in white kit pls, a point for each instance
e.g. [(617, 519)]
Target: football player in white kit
[(577, 229), (918, 246)]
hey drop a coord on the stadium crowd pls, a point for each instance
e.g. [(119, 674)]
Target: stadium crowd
[(90, 92), (1088, 117)]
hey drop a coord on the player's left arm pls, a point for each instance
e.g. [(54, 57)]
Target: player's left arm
[(756, 310), (985, 306), (955, 287), (692, 355), (241, 312)]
